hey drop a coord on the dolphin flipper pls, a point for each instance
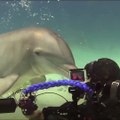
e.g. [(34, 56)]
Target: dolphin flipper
[(7, 82)]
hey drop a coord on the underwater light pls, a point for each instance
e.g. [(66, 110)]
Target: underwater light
[(7, 105)]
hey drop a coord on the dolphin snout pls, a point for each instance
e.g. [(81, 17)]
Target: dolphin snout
[(68, 66), (66, 69)]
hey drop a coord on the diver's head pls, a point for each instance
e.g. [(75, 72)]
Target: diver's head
[(103, 70)]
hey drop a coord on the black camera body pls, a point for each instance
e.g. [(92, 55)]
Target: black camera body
[(67, 111)]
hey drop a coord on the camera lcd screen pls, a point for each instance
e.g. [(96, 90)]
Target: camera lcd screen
[(77, 74)]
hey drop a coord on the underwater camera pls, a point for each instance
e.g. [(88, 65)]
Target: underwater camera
[(7, 105), (95, 107)]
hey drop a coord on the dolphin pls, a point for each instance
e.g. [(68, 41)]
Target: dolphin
[(31, 53)]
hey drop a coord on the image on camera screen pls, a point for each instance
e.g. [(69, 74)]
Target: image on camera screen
[(77, 74)]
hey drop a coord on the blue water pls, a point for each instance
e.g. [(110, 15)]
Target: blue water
[(91, 28)]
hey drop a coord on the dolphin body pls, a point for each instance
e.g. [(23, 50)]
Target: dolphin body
[(32, 52)]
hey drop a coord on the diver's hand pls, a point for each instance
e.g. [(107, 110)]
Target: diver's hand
[(37, 115)]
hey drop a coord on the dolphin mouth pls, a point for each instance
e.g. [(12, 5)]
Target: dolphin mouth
[(61, 67), (64, 69), (69, 66)]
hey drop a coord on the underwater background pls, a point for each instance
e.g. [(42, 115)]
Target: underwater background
[(91, 28)]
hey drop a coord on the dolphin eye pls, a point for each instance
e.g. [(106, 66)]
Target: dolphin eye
[(37, 53)]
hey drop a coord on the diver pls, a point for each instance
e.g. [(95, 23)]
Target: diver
[(104, 78)]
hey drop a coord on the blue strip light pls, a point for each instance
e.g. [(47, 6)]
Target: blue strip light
[(46, 85)]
